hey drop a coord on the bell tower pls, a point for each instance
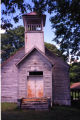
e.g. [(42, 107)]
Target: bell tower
[(34, 35)]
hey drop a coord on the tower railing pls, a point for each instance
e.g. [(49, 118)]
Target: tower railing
[(34, 27)]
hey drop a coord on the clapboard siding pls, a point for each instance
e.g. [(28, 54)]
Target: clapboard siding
[(29, 65), (60, 80), (61, 85), (9, 81), (56, 82), (9, 84)]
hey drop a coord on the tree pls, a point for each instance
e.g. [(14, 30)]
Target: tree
[(53, 49), (66, 24), (12, 10), (11, 41), (65, 20), (75, 72)]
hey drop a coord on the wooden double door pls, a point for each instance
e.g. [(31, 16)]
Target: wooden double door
[(35, 87)]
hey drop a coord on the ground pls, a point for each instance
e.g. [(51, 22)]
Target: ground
[(10, 112)]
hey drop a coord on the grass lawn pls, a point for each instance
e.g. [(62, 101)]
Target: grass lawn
[(10, 112)]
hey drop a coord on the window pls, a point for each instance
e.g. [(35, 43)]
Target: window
[(36, 73)]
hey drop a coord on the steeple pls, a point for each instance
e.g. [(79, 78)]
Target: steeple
[(34, 35)]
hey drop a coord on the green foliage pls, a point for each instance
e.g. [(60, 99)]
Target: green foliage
[(65, 19), (11, 41), (12, 9), (67, 25), (53, 48), (39, 6), (75, 72)]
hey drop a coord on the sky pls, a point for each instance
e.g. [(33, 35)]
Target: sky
[(48, 32)]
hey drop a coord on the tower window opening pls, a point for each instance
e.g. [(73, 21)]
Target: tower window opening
[(34, 27)]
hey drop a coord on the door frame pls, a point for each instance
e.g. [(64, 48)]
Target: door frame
[(27, 84)]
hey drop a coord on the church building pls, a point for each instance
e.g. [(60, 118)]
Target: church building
[(34, 72)]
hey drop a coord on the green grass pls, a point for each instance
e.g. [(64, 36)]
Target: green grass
[(10, 112), (8, 106)]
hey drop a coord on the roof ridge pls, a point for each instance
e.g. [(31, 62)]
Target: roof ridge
[(57, 56), (7, 60), (30, 52)]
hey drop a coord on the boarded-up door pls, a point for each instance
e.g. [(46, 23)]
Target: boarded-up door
[(35, 87)]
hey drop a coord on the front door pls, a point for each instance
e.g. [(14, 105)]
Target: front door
[(35, 87)]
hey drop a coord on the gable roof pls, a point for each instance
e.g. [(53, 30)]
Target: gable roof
[(13, 56), (58, 59), (75, 85), (50, 55), (34, 15), (33, 49)]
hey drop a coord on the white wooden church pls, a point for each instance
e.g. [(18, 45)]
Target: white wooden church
[(34, 72)]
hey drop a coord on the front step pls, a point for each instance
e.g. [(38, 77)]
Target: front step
[(37, 104)]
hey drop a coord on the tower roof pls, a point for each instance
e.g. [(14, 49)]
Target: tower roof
[(31, 13), (34, 15)]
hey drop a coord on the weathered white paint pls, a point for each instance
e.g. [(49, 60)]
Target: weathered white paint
[(34, 39), (24, 69), (55, 83), (31, 88), (35, 87), (9, 78)]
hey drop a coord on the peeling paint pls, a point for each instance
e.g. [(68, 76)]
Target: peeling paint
[(35, 87)]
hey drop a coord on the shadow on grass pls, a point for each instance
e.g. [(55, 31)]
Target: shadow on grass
[(75, 104), (11, 112)]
